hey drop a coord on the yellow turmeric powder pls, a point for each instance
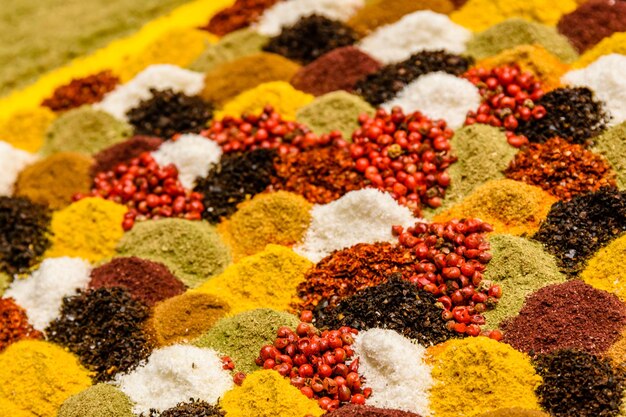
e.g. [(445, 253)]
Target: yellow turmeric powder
[(7, 408), (26, 129), (614, 44), (605, 270)]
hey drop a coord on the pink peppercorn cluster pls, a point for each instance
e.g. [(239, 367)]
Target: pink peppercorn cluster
[(317, 364), (452, 259), (148, 190), (406, 155), (508, 96)]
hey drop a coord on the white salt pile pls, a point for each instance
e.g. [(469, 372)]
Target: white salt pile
[(12, 161)]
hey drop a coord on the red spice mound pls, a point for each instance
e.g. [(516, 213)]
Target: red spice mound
[(79, 91), (109, 158), (14, 324), (353, 410), (572, 315), (238, 16)]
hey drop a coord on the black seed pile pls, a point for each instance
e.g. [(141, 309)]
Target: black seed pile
[(573, 114), (103, 328), (384, 84), (397, 305), (579, 384), (167, 113), (575, 230), (24, 234), (311, 37), (193, 408), (237, 176)]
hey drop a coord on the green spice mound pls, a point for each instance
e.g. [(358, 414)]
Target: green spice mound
[(515, 32), (84, 130), (612, 145), (242, 336), (192, 250), (338, 110), (5, 280), (520, 266), (232, 46), (101, 400)]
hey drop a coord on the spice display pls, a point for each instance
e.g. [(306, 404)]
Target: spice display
[(236, 177), (14, 324), (439, 96), (574, 230), (486, 374), (232, 46), (80, 91), (515, 32), (84, 130), (241, 336), (603, 271), (520, 267), (384, 84), (191, 250), (42, 293), (240, 15), (191, 409), (234, 77), (281, 218), (5, 280), (578, 383), (339, 69), (13, 161), (267, 279), (100, 400), (88, 229), (24, 234), (509, 206), (183, 318), (413, 33), (404, 384), (26, 129), (109, 158), (146, 281), (514, 412), (617, 351), (53, 181), (612, 147), (354, 410), (611, 45), (173, 374), (364, 216), (37, 376)]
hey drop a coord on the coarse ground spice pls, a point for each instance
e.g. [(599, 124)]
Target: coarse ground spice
[(509, 206), (100, 400), (561, 168), (279, 217), (339, 69), (109, 158), (353, 410), (193, 408), (240, 337), (192, 250), (542, 326), (520, 267), (238, 16), (14, 325), (234, 77), (183, 318), (612, 145), (80, 91), (13, 161), (617, 351), (26, 129), (478, 374), (53, 181), (145, 281), (579, 384), (514, 412), (24, 234), (384, 84), (574, 230), (232, 46), (604, 270)]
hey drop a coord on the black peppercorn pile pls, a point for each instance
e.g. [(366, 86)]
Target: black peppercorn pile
[(579, 384), (310, 38), (385, 84), (103, 328), (576, 229), (238, 176), (167, 113), (193, 408), (397, 305), (571, 113), (24, 233)]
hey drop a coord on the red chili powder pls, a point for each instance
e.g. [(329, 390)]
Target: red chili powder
[(353, 410), (107, 159), (238, 16), (79, 91), (14, 324)]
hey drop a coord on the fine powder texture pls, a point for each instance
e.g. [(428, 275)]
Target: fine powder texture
[(415, 32), (352, 410), (363, 216), (542, 326), (438, 95), (514, 412), (604, 270), (229, 48), (84, 130), (404, 384), (12, 161), (25, 129), (174, 374), (241, 337), (612, 145), (192, 250), (107, 159), (101, 400)]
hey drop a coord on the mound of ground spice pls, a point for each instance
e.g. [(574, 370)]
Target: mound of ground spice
[(339, 69), (353, 410), (574, 230), (604, 270), (193, 408), (238, 16), (100, 400), (103, 327), (79, 91), (109, 158), (14, 325), (145, 281), (547, 322), (514, 412), (26, 129), (232, 46), (612, 145)]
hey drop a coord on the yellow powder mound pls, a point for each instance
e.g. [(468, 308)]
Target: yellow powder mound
[(614, 44), (605, 270), (26, 129)]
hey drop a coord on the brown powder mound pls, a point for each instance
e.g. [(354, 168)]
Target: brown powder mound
[(353, 410), (107, 159)]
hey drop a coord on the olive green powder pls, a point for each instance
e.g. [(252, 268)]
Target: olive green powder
[(612, 144), (5, 280), (101, 400), (241, 337)]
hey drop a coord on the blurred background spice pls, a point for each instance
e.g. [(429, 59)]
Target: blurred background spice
[(109, 158), (240, 15), (26, 129), (14, 325), (79, 91), (235, 45)]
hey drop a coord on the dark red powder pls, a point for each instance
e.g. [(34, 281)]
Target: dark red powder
[(146, 281), (107, 159), (339, 69), (79, 91), (353, 410), (572, 315), (238, 16), (14, 324)]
